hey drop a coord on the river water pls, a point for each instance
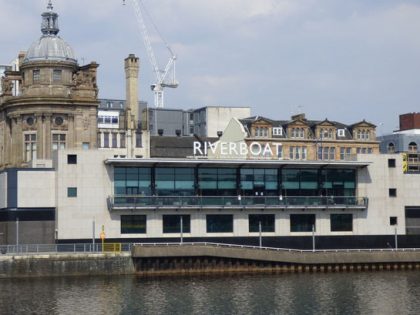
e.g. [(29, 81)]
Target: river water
[(380, 293)]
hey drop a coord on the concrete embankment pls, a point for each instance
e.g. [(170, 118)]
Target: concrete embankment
[(194, 259), (199, 259), (57, 264)]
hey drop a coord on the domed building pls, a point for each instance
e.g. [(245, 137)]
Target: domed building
[(56, 103)]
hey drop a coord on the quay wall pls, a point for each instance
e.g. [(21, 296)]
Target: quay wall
[(200, 259), (74, 264), (208, 259)]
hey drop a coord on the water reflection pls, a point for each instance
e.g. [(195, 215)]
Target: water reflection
[(341, 293)]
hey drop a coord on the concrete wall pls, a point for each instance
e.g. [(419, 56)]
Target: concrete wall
[(92, 179), (375, 182), (36, 189), (30, 232), (58, 265)]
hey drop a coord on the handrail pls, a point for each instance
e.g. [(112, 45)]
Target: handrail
[(65, 248), (235, 201)]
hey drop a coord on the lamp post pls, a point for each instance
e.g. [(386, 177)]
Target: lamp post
[(396, 238), (17, 233), (260, 233), (313, 237), (181, 228)]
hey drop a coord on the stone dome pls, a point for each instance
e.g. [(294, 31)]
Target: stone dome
[(50, 46)]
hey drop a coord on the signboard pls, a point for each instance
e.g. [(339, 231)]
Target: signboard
[(237, 148)]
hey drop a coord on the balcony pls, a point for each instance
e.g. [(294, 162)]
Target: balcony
[(132, 202)]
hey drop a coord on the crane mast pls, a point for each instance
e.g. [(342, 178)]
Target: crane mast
[(161, 75)]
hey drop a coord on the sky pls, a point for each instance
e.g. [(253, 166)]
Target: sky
[(342, 60)]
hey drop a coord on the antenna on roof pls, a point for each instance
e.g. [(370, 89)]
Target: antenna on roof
[(50, 6)]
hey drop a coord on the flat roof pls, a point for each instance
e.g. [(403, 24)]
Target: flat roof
[(235, 163)]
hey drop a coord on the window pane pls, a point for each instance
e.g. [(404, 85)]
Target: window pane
[(133, 224), (219, 223), (302, 222), (172, 223), (267, 222), (342, 222)]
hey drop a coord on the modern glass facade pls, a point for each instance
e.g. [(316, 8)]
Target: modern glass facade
[(206, 181)]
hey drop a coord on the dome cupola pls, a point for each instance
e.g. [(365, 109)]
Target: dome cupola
[(50, 46)]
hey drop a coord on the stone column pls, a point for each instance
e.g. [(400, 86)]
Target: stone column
[(40, 134), (47, 136)]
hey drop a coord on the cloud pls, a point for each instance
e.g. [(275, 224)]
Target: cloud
[(346, 60)]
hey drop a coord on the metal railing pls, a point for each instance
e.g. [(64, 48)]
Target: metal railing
[(65, 248), (136, 201)]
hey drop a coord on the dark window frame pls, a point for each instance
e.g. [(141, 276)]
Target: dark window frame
[(338, 222), (71, 158), (392, 192), (71, 192)]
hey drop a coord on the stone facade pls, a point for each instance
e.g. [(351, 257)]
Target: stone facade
[(56, 105)]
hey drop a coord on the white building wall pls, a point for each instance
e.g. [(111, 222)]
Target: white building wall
[(36, 189), (217, 118), (375, 182)]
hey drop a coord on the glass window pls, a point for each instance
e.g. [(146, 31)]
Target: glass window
[(106, 139), (259, 181), (393, 192), (302, 222), (393, 220), (138, 140), (30, 146), (391, 148), (219, 223), (114, 140), (342, 222), (174, 181), (217, 181), (56, 75), (36, 76), (58, 141), (391, 163), (85, 145), (172, 223), (412, 147), (71, 191), (266, 220), (132, 181), (133, 224), (122, 140), (71, 158)]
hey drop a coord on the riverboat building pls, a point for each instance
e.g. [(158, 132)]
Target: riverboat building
[(69, 173)]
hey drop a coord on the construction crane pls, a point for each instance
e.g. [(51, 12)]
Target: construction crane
[(161, 75)]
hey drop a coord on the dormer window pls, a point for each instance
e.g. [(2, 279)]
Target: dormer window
[(261, 132), (277, 131), (326, 133), (363, 134), (341, 132), (298, 133)]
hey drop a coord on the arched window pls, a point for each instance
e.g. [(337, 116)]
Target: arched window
[(391, 148), (412, 147)]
